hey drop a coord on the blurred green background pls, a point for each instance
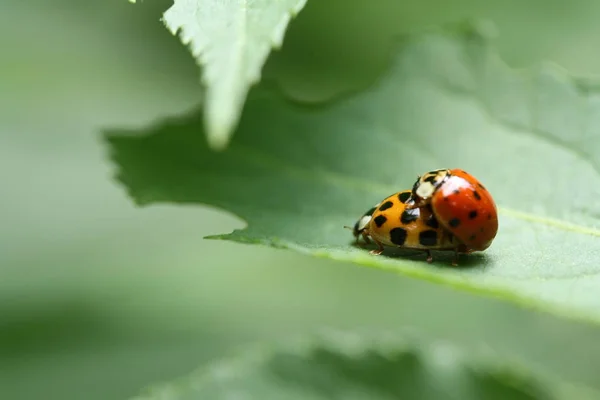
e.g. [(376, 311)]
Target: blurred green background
[(99, 299)]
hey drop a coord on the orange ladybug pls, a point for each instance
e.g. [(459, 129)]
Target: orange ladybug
[(460, 203), (392, 223)]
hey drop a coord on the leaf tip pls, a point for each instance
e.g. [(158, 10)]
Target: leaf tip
[(218, 135), (220, 120)]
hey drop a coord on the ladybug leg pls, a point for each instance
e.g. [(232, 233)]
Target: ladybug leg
[(358, 240), (357, 237), (365, 236), (429, 256), (378, 251), (455, 259)]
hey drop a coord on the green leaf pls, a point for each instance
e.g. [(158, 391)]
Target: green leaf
[(231, 40), (353, 366), (297, 174)]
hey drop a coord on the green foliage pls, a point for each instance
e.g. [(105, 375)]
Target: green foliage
[(100, 299), (231, 40), (348, 366), (298, 174)]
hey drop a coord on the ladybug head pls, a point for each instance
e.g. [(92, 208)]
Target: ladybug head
[(426, 185)]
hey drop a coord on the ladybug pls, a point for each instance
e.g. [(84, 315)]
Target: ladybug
[(460, 203), (392, 223)]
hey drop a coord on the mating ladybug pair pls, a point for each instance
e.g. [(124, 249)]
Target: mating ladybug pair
[(447, 209)]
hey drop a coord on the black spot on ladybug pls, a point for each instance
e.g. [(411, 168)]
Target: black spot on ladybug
[(386, 205), (489, 216), (477, 196), (432, 222), (481, 186), (403, 197), (409, 216), (472, 237), (454, 222), (398, 236), (380, 220), (456, 191), (428, 238), (473, 214)]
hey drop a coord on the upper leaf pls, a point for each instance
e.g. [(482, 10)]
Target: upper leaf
[(231, 39), (298, 174), (349, 366)]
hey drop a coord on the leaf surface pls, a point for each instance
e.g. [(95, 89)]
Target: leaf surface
[(357, 367), (297, 174), (231, 39)]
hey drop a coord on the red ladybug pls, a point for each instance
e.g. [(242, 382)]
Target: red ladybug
[(460, 203)]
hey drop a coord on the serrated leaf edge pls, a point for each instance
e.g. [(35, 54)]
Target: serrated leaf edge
[(221, 118)]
